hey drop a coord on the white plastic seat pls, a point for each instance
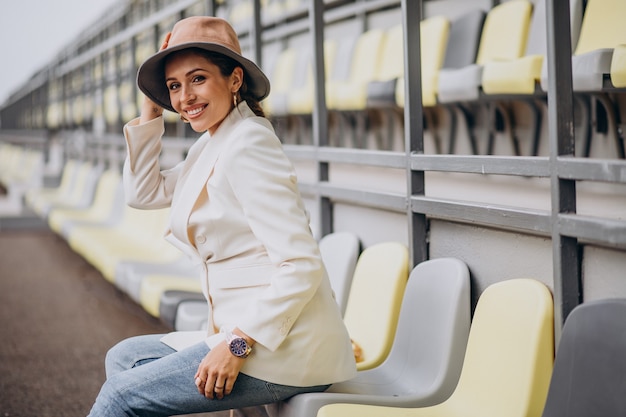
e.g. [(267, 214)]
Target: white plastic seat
[(425, 361)]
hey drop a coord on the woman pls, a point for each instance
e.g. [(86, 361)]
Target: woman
[(274, 327)]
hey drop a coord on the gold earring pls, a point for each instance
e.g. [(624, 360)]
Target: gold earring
[(183, 119), (235, 99)]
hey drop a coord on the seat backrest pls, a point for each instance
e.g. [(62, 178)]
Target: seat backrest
[(281, 78), (602, 26), (463, 40), (365, 62), (433, 329), (537, 36), (588, 376), (429, 346), (340, 252), (505, 31), (375, 297), (510, 351), (392, 55), (434, 32)]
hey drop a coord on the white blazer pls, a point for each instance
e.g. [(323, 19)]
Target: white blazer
[(236, 209)]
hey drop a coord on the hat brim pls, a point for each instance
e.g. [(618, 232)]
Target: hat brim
[(151, 74)]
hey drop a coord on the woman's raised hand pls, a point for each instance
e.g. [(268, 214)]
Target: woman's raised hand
[(150, 110)]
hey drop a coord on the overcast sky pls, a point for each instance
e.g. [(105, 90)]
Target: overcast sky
[(33, 32)]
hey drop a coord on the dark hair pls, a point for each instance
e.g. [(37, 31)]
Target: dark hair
[(227, 65)]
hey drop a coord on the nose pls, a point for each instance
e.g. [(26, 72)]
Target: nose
[(187, 96)]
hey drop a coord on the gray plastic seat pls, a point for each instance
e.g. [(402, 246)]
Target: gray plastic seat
[(426, 357), (588, 376)]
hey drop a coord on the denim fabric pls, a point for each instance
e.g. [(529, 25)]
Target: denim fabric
[(147, 378)]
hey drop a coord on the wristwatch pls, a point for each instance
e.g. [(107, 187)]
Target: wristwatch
[(238, 345)]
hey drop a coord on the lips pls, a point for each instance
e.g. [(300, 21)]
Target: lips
[(195, 111)]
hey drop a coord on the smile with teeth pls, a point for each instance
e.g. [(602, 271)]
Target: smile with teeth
[(195, 111)]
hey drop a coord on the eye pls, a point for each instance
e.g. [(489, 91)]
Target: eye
[(198, 78), (173, 86)]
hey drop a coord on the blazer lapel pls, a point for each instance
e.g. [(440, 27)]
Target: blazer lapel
[(198, 168)]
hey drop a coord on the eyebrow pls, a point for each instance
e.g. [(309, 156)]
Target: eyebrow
[(186, 75)]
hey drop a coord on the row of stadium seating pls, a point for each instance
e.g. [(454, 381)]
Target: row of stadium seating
[(497, 56), (421, 348)]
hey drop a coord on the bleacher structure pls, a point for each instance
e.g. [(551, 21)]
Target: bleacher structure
[(465, 151)]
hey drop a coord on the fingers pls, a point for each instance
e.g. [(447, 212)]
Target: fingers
[(166, 41), (214, 389)]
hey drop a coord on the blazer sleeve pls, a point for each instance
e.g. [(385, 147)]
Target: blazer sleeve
[(264, 182), (145, 185)]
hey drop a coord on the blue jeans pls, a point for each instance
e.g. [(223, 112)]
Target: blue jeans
[(148, 378)]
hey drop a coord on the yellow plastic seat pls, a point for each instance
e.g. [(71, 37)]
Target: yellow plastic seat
[(523, 75), (508, 360), (434, 33), (137, 236), (351, 94), (503, 38), (281, 80), (373, 306), (602, 30), (60, 220), (37, 198), (301, 100), (618, 66)]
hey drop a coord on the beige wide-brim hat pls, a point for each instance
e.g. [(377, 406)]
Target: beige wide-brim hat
[(203, 32)]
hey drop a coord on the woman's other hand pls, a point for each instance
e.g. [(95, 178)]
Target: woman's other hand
[(218, 372)]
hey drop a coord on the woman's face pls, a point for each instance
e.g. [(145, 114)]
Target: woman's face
[(198, 90)]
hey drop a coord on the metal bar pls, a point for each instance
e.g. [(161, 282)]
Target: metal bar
[(605, 170), (603, 231), (566, 262), (320, 112), (385, 201), (526, 220), (255, 34), (413, 126), (527, 166)]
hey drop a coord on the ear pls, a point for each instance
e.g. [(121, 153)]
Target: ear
[(236, 79)]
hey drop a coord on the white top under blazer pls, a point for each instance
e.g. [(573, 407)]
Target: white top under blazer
[(237, 211)]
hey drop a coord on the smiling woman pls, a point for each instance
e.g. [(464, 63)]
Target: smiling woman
[(202, 92), (274, 327)]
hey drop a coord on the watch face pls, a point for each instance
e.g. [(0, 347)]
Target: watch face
[(239, 347)]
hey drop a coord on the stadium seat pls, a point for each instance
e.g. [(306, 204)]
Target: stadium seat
[(426, 356), (107, 195), (381, 90), (373, 306), (39, 198), (588, 375), (434, 32), (301, 98), (136, 236), (79, 195), (340, 253), (602, 30), (508, 361), (618, 67), (503, 38), (153, 286), (129, 274), (282, 79), (351, 93)]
